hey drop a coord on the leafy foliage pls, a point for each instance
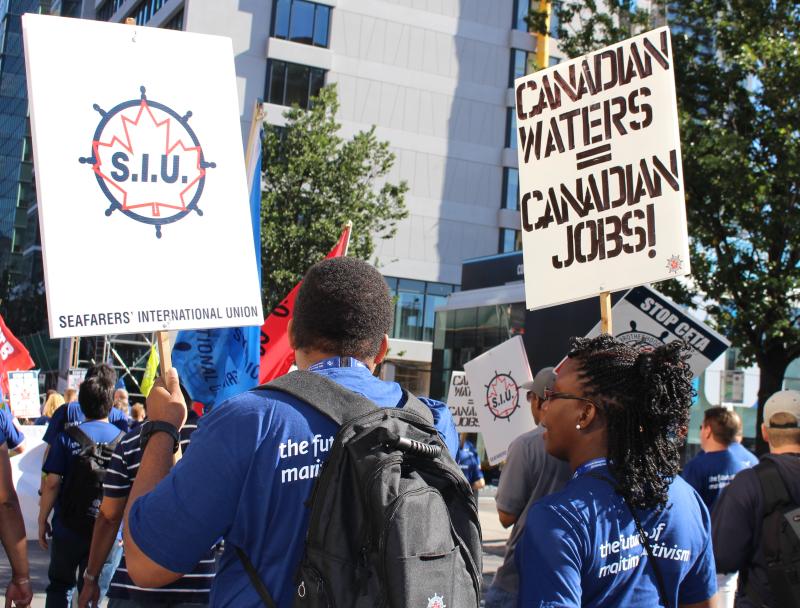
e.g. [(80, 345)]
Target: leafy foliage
[(738, 86), (314, 182)]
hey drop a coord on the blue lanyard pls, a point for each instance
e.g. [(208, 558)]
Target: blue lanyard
[(593, 464), (335, 362)]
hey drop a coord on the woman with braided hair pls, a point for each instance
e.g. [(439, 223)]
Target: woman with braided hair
[(626, 530)]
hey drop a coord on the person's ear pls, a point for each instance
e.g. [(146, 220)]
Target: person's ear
[(765, 432), (589, 414), (383, 350)]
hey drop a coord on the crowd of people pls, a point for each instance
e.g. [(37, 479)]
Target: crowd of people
[(169, 513)]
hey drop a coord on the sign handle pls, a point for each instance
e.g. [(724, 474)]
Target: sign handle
[(605, 313), (164, 351)]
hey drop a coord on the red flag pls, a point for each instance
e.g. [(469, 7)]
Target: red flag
[(13, 355), (276, 355)]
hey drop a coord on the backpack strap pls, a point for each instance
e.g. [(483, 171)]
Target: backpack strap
[(774, 495), (113, 444), (335, 401), (77, 435), (772, 486), (662, 588), (257, 583)]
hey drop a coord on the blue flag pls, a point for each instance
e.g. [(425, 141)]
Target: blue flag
[(217, 364)]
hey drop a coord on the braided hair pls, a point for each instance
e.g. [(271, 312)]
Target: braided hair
[(644, 397)]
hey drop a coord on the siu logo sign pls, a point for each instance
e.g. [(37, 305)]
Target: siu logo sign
[(148, 162), (502, 396), (642, 340)]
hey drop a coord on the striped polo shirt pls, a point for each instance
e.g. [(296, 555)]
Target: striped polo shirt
[(190, 588)]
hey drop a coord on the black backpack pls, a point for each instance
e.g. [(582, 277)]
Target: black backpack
[(780, 532), (393, 521), (82, 493)]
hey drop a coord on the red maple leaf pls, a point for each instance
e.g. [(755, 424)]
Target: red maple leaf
[(146, 163)]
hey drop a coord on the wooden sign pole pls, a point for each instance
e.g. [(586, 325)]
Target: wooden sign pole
[(605, 313)]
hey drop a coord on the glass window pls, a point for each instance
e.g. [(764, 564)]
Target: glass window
[(175, 23), (511, 128), (510, 198), (277, 82), (317, 82), (519, 65), (290, 83), (322, 22), (510, 240), (521, 8), (409, 309), (301, 26), (436, 295), (554, 61), (554, 22), (301, 21), (280, 23)]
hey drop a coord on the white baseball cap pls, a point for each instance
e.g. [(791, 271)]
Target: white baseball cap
[(782, 402)]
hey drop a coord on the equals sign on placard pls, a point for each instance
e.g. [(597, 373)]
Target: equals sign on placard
[(594, 156)]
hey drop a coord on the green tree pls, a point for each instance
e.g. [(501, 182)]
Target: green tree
[(737, 68), (314, 182)]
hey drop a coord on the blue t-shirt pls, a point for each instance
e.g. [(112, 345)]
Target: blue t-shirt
[(71, 414), (743, 454), (63, 451), (469, 463), (251, 468), (710, 472), (9, 433), (580, 547)]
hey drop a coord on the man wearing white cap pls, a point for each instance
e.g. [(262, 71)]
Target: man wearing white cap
[(528, 474), (754, 502)]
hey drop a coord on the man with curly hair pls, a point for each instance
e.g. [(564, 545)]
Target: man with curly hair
[(626, 530)]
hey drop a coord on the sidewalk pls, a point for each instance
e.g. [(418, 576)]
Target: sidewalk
[(494, 541)]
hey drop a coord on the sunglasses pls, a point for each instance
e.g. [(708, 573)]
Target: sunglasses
[(553, 396)]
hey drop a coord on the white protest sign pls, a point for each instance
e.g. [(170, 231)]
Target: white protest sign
[(646, 318), (139, 153), (601, 184), (23, 389), (75, 376), (462, 405), (26, 471), (503, 413)]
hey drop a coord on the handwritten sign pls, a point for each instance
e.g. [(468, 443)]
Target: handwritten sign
[(601, 184), (462, 405)]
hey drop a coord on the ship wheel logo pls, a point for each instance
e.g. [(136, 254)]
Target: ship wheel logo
[(502, 396), (148, 162), (642, 340)]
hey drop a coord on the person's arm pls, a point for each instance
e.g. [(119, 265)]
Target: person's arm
[(50, 488), (12, 535), (514, 488), (15, 440), (165, 403), (104, 536), (709, 603), (506, 519), (733, 524)]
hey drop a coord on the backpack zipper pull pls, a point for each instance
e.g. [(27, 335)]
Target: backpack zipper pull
[(301, 589)]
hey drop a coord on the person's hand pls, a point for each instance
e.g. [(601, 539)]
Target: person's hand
[(90, 594), (19, 592), (44, 532), (165, 401)]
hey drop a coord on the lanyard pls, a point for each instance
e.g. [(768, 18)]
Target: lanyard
[(335, 362), (593, 464)]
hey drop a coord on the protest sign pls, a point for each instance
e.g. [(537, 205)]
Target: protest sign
[(646, 318), (503, 413), (141, 152), (601, 185), (462, 405), (26, 471), (23, 389), (74, 377)]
